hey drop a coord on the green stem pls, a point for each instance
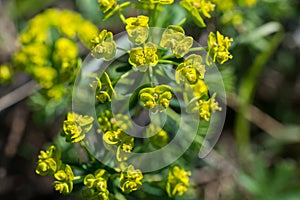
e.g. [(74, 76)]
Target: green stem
[(168, 56), (91, 157), (122, 17), (182, 21), (151, 76), (76, 178), (198, 49), (125, 50), (168, 62), (246, 94)]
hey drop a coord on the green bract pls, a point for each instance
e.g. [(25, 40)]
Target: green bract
[(130, 179), (49, 161), (218, 46), (157, 98), (178, 181), (174, 38), (137, 29), (64, 179), (190, 70), (198, 7), (76, 126), (143, 57), (103, 46)]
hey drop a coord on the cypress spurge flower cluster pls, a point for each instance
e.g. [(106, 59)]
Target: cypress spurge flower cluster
[(153, 58)]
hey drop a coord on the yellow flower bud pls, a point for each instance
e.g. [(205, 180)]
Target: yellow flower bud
[(103, 46)]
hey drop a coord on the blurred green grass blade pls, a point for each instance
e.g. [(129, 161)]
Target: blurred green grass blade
[(247, 88)]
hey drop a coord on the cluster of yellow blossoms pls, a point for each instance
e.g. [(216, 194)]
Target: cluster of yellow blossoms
[(57, 56), (50, 163), (49, 51)]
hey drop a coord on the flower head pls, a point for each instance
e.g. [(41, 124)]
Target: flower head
[(178, 181), (130, 179), (218, 46), (64, 179), (197, 8), (49, 161), (190, 70), (143, 57), (137, 28), (76, 126), (174, 38), (5, 73), (158, 97), (103, 46)]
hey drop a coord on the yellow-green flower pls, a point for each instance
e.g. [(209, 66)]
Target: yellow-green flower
[(196, 8), (98, 182), (190, 70), (174, 38), (49, 161), (178, 181), (158, 137), (137, 29), (103, 46), (143, 57), (130, 179), (106, 5), (65, 53), (76, 126), (204, 107), (64, 179), (44, 75), (5, 73), (57, 92), (158, 97), (218, 46)]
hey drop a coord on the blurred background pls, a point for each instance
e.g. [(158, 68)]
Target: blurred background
[(257, 156)]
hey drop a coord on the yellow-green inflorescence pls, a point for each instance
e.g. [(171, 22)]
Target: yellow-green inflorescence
[(218, 46), (174, 38), (156, 98), (196, 8), (64, 179), (190, 70), (122, 141), (130, 179), (201, 103), (96, 185), (76, 126), (5, 73), (143, 57), (178, 181), (137, 29), (104, 46), (49, 51), (49, 163)]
